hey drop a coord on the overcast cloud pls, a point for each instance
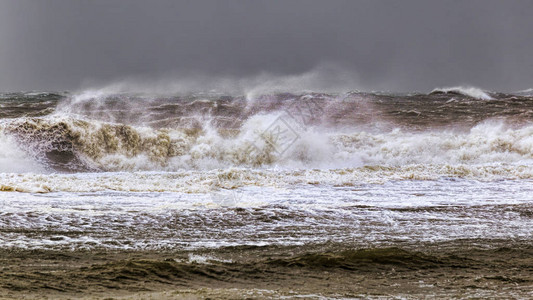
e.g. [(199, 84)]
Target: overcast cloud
[(386, 45)]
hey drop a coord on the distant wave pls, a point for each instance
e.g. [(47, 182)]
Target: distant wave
[(526, 92), (465, 91)]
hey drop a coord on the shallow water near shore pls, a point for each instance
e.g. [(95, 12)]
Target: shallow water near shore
[(367, 214), (459, 269)]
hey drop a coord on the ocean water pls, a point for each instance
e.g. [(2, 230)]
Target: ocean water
[(138, 171)]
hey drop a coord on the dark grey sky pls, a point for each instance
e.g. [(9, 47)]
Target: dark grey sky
[(391, 45)]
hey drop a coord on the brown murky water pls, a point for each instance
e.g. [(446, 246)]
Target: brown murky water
[(468, 268)]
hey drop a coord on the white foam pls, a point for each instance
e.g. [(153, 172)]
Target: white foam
[(144, 149), (294, 215), (14, 159), (209, 182), (467, 91)]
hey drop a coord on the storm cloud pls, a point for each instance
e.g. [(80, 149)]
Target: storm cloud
[(385, 45)]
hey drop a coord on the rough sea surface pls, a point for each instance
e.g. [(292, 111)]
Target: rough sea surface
[(271, 195)]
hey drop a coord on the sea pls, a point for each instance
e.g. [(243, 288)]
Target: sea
[(206, 170)]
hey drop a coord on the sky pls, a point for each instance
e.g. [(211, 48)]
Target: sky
[(374, 45)]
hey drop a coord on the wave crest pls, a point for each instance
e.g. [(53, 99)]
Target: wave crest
[(472, 92), (68, 144)]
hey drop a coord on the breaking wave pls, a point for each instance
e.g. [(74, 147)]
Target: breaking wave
[(14, 159), (465, 91), (79, 145), (526, 92), (335, 139)]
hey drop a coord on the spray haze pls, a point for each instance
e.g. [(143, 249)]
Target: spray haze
[(326, 77)]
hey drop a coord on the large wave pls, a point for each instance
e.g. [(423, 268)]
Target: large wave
[(78, 145), (123, 132)]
